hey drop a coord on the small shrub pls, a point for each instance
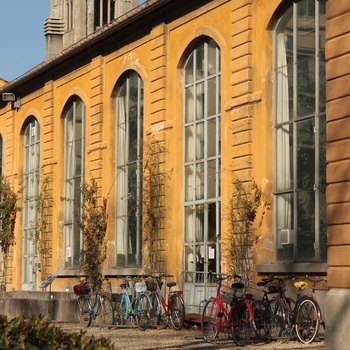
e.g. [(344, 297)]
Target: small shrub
[(35, 333)]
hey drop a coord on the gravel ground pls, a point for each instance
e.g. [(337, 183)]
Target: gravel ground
[(188, 338)]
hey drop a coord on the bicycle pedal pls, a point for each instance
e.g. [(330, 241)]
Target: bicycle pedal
[(220, 314)]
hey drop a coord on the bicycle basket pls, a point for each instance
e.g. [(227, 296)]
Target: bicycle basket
[(140, 287), (227, 297), (152, 285), (81, 289)]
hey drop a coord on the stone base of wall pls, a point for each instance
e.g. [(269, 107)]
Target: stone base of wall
[(338, 319), (54, 306)]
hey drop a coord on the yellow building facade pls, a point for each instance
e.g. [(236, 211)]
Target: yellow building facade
[(165, 107)]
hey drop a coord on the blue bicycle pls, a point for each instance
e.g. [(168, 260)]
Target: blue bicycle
[(134, 304)]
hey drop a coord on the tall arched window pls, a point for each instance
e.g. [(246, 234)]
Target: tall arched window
[(30, 201), (129, 156), (202, 158), (74, 143), (300, 137)]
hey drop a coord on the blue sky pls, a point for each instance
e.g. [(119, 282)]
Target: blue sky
[(22, 37)]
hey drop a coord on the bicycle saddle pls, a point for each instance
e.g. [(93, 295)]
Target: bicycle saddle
[(171, 284)]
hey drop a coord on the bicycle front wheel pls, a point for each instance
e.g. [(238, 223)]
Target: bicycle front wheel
[(176, 307), (106, 312), (262, 319), (83, 311), (156, 311), (241, 323), (307, 320), (211, 321), (143, 312)]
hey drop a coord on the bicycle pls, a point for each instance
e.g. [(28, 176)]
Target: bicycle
[(138, 307), (92, 303), (236, 321), (171, 311), (308, 316), (266, 315), (299, 318)]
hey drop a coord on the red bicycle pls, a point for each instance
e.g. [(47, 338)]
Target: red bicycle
[(235, 320)]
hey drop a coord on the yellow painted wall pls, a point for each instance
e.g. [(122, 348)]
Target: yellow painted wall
[(240, 28)]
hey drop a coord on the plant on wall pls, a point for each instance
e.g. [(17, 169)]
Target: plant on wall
[(8, 213), (247, 198), (44, 226), (93, 224), (155, 179)]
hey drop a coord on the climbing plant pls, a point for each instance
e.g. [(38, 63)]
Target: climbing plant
[(8, 213), (44, 225), (93, 223), (154, 184), (246, 200)]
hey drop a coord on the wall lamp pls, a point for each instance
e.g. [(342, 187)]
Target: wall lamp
[(11, 97)]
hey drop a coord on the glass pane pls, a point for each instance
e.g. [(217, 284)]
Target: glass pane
[(189, 183), (189, 150), (284, 161), (189, 259), (212, 222), (306, 86), (306, 225), (200, 63), (199, 181), (211, 181), (212, 57), (189, 70), (199, 101), (200, 258), (211, 138), (199, 224), (188, 224), (285, 205), (212, 109), (189, 104), (305, 154), (200, 141)]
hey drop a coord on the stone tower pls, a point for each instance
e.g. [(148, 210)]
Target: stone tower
[(72, 20)]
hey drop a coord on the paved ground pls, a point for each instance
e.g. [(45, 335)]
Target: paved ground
[(189, 338)]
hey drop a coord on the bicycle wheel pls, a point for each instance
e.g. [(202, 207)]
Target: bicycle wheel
[(307, 320), (241, 325), (156, 311), (277, 318), (211, 321), (143, 312), (106, 312), (83, 311), (120, 312), (176, 307), (261, 318)]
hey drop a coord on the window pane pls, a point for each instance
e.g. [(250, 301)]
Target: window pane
[(285, 213), (189, 70), (211, 181), (189, 183), (200, 141), (306, 225), (199, 223), (211, 138), (306, 154), (200, 181), (199, 101), (189, 150), (212, 217), (189, 104), (200, 63), (212, 50), (212, 95), (188, 224), (284, 159)]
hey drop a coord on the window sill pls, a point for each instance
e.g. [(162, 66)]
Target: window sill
[(319, 269)]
